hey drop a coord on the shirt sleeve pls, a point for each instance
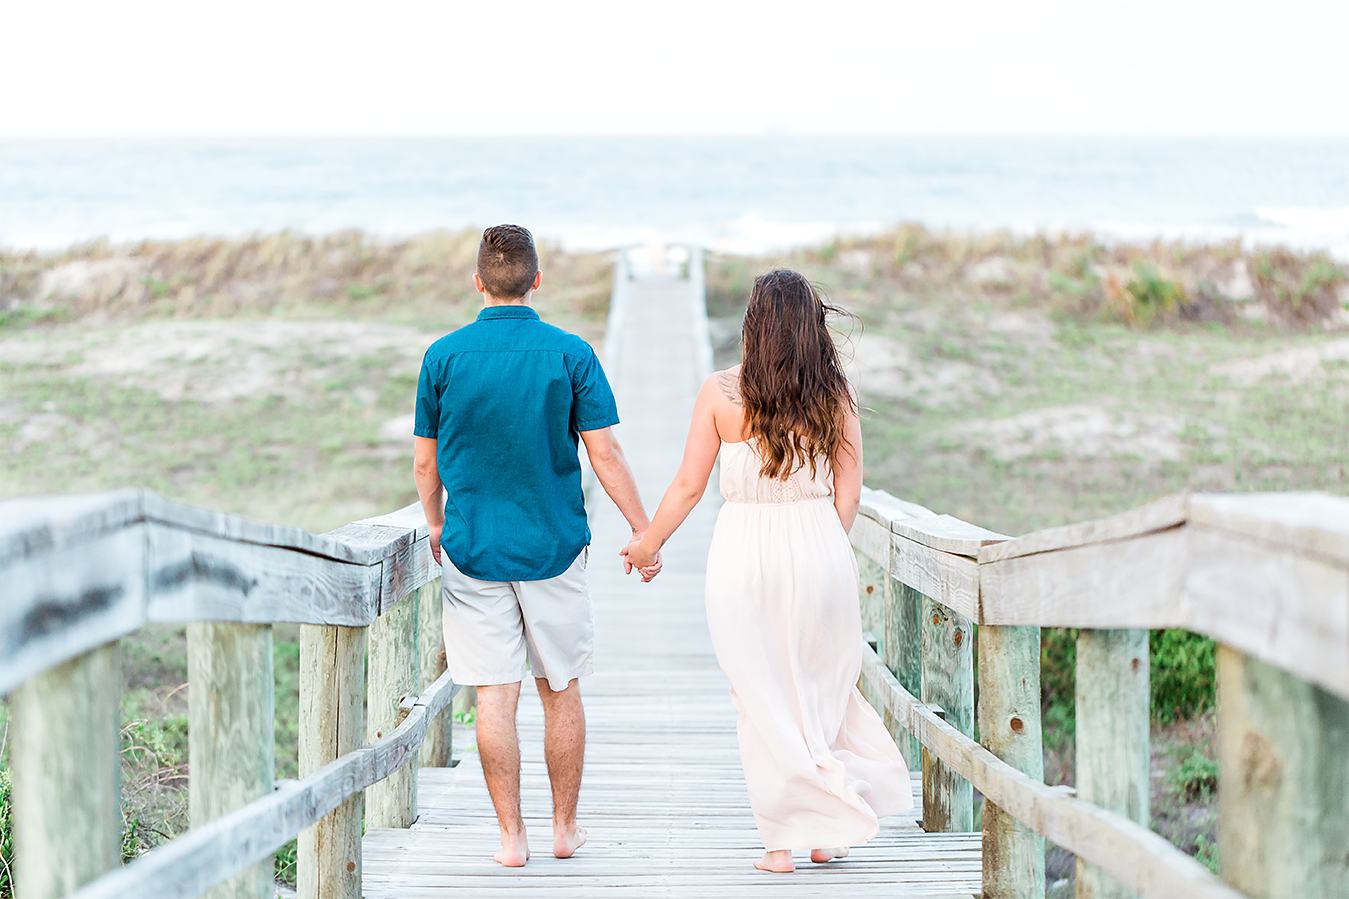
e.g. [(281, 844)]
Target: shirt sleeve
[(427, 422), (593, 404)]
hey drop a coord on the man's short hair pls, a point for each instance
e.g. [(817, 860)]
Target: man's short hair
[(507, 261)]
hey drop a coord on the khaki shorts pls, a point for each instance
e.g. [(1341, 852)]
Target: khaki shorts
[(493, 627)]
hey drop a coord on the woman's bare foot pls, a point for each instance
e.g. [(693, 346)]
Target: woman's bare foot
[(820, 856), (779, 861), (514, 851), (564, 843)]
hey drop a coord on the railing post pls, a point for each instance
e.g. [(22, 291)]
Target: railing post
[(394, 656), (231, 734), (66, 760), (1112, 736), (1009, 727), (871, 598), (904, 657), (1283, 755), (437, 748), (948, 681), (332, 687)]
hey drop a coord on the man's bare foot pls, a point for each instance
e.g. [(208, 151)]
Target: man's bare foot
[(779, 861), (514, 851), (564, 843), (820, 856)]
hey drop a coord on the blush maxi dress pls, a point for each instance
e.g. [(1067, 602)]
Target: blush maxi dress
[(782, 607)]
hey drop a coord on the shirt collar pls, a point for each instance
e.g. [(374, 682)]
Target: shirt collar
[(489, 313)]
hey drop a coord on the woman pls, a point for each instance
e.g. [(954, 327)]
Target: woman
[(782, 578)]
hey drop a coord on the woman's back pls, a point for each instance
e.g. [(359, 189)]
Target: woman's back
[(742, 482)]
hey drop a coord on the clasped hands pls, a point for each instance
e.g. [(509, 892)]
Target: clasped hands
[(648, 564)]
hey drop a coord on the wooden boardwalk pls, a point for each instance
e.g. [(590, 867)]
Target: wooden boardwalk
[(663, 797)]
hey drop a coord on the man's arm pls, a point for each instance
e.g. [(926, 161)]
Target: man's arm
[(611, 467), (429, 489)]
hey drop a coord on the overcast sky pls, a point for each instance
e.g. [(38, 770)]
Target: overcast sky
[(586, 66)]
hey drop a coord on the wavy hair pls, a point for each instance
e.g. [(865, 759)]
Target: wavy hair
[(795, 394)]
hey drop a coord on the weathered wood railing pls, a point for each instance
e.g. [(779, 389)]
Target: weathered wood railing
[(1265, 575), (77, 573)]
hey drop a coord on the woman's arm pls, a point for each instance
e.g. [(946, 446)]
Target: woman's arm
[(848, 471), (700, 454)]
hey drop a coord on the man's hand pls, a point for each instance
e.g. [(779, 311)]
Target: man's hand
[(435, 541)]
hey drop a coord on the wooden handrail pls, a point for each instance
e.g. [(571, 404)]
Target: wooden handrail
[(79, 571), (194, 862), (1265, 575)]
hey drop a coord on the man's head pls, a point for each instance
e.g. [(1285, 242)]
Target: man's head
[(508, 263)]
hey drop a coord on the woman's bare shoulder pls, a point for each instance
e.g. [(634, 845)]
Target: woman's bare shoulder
[(727, 384)]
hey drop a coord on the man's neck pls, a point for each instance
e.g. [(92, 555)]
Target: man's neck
[(489, 300)]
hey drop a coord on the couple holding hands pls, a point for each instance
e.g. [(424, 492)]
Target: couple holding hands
[(501, 404)]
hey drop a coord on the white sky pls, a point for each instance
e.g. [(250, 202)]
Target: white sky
[(569, 66)]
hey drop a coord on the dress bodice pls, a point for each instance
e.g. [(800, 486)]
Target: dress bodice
[(742, 483)]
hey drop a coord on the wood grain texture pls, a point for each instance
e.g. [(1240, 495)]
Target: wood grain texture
[(871, 598), (1112, 737), (1129, 583), (948, 681), (1283, 775), (66, 757), (198, 577), (332, 691), (1160, 515), (393, 678), (69, 599), (1272, 603), (949, 579), (871, 539), (883, 508), (1310, 524), (903, 655), (1143, 860), (1009, 727), (231, 734), (33, 526), (437, 746), (204, 856)]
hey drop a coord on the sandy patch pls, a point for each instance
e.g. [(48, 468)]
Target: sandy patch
[(1085, 432), (220, 361), (1298, 364), (882, 366)]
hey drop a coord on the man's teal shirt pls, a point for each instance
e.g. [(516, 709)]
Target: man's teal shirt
[(505, 399)]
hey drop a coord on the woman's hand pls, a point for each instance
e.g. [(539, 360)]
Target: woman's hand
[(648, 564)]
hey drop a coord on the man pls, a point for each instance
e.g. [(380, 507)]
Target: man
[(500, 405)]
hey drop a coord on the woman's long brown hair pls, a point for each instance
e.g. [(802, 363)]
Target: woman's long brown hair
[(791, 380)]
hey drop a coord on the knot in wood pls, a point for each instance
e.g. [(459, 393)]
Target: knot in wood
[(936, 619), (960, 636), (1018, 725), (870, 589), (1136, 663), (351, 866)]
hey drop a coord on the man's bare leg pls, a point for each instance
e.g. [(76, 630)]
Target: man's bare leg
[(499, 750), (564, 746)]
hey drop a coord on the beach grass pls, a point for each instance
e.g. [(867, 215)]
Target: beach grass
[(1017, 383)]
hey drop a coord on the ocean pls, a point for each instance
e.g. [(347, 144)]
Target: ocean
[(740, 194)]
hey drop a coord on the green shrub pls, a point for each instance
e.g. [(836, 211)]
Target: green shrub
[(1196, 776), (1058, 677), (6, 836), (1181, 672), (1182, 675), (285, 863), (1152, 294)]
